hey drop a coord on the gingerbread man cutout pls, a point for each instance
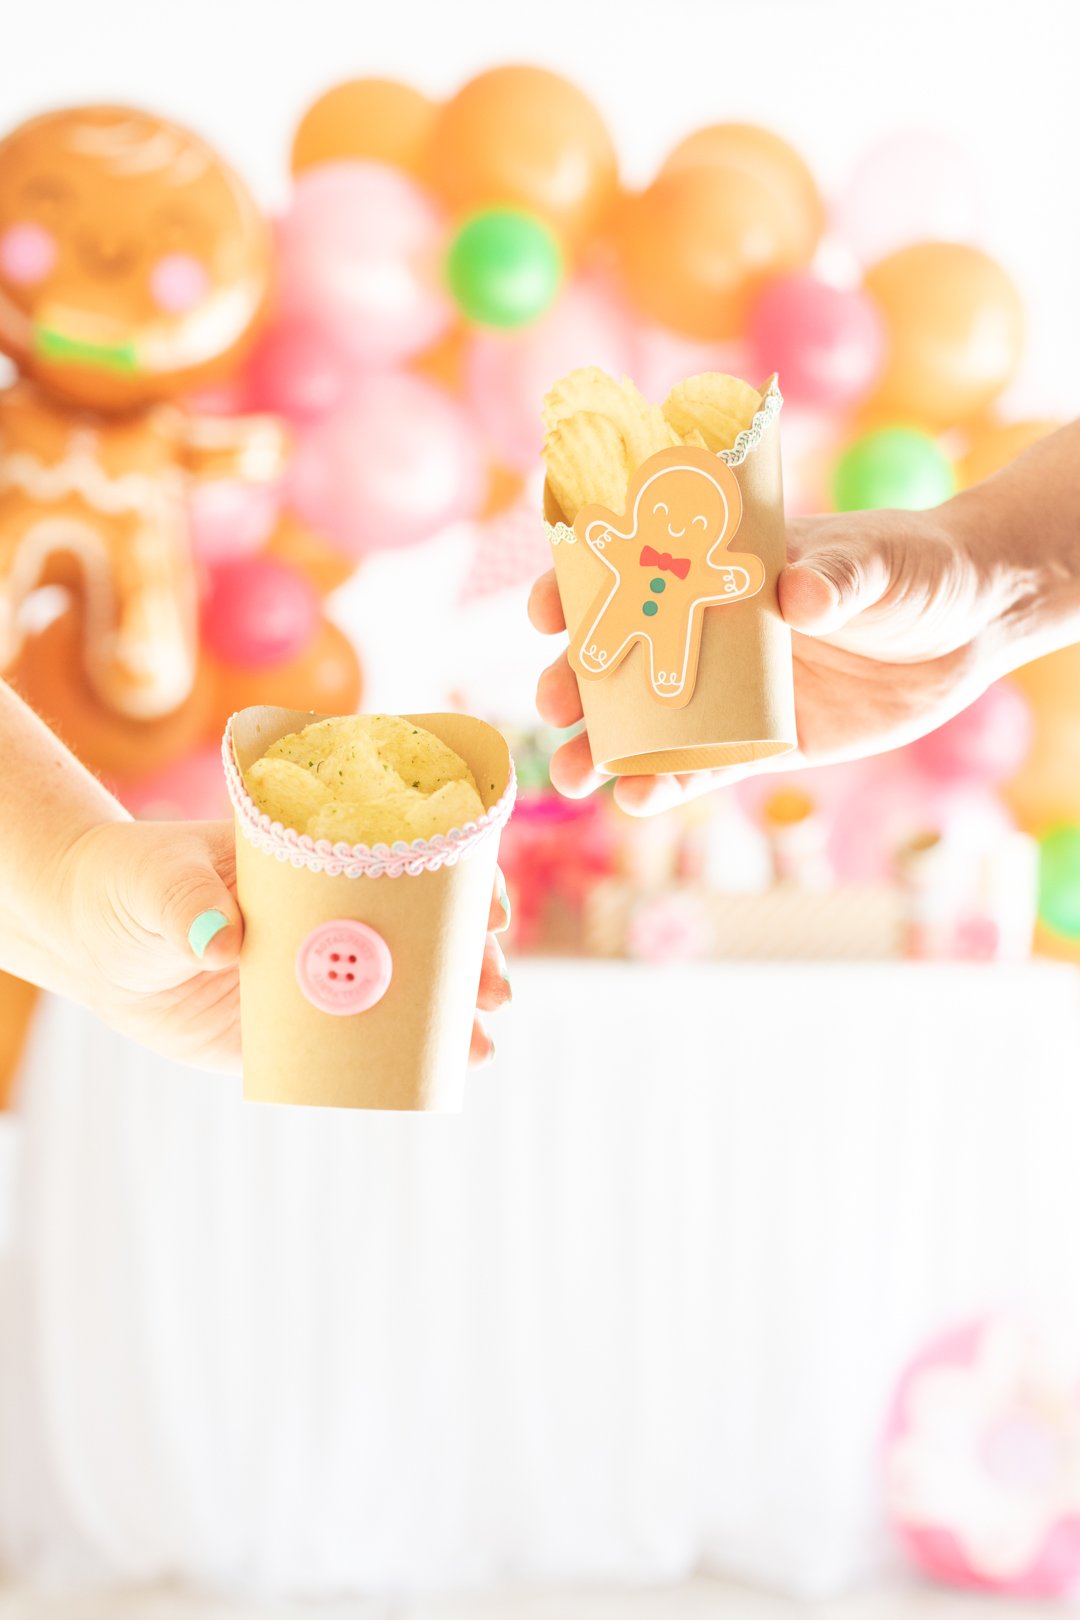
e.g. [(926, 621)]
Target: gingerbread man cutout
[(134, 269), (670, 561)]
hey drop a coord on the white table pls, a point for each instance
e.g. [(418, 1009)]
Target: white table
[(638, 1311)]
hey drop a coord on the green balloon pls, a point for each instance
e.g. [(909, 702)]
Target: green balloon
[(1059, 881), (896, 467), (504, 268)]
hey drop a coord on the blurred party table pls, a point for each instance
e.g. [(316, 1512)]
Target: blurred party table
[(638, 1311)]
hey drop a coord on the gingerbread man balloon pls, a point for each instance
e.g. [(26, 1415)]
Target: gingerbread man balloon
[(134, 267), (669, 561)]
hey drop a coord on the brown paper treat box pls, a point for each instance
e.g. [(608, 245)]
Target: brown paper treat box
[(742, 706), (426, 904)]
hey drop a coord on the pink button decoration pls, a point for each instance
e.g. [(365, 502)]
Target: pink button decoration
[(27, 253), (344, 967)]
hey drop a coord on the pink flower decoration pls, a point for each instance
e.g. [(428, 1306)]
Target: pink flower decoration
[(982, 1464)]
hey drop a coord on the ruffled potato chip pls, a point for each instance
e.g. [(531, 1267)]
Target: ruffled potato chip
[(719, 408), (365, 779)]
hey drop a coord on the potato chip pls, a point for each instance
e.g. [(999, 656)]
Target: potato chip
[(597, 431), (718, 407), (365, 779), (285, 791)]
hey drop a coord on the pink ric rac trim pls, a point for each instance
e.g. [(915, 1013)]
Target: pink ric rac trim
[(357, 860)]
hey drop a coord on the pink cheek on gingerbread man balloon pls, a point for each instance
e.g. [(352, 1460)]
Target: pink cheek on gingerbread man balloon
[(27, 253), (178, 282)]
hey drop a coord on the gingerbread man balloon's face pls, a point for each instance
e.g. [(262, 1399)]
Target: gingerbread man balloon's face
[(133, 262)]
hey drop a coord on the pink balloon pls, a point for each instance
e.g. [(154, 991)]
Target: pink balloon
[(300, 371), (827, 343), (985, 744), (913, 187), (190, 789), (811, 443), (508, 373), (397, 462), (228, 518), (360, 256), (660, 359), (260, 612)]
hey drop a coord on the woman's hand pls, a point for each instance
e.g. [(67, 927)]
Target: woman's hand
[(900, 620), (149, 911)]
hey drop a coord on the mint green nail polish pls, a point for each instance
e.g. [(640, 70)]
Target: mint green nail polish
[(207, 926), (504, 899)]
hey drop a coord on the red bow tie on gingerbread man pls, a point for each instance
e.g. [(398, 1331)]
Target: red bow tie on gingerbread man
[(684, 495)]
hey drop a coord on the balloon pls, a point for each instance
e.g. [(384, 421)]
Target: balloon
[(525, 137), (660, 359), (444, 362), (504, 489), (896, 467), (358, 257), (299, 370), (365, 118), (1059, 881), (50, 677), (986, 743), (809, 451), (324, 565), (827, 343), (910, 188), (324, 677), (399, 461), (228, 518), (190, 789), (995, 444), (955, 328), (503, 268), (766, 158), (507, 375), (1052, 683), (259, 612), (696, 246)]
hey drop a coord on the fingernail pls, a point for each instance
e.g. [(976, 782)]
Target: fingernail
[(207, 926), (503, 898)]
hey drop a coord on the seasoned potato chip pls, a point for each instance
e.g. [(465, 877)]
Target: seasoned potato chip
[(285, 791), (365, 779), (718, 407)]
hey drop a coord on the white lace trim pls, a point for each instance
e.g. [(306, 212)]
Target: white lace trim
[(748, 440), (357, 860), (561, 534)]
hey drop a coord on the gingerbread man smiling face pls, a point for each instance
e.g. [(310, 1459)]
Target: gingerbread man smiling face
[(670, 561), (133, 262)]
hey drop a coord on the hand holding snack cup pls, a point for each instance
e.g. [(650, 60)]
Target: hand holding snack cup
[(667, 529), (366, 856)]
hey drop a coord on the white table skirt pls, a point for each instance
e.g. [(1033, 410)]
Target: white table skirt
[(638, 1311)]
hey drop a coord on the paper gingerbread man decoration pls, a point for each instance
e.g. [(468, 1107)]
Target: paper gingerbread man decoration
[(669, 561), (134, 267)]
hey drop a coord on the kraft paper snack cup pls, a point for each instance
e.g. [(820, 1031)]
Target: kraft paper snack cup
[(733, 702), (396, 1034)]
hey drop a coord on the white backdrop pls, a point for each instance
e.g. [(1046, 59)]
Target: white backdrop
[(638, 1311)]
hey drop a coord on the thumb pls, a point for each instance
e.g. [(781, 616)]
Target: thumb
[(837, 573), (196, 909)]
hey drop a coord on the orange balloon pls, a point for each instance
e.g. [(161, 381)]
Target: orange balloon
[(694, 248), (995, 444), (325, 677), (956, 326), (1053, 686), (50, 676), (365, 118), (526, 137), (444, 362), (325, 565), (17, 1002), (504, 488), (764, 156)]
